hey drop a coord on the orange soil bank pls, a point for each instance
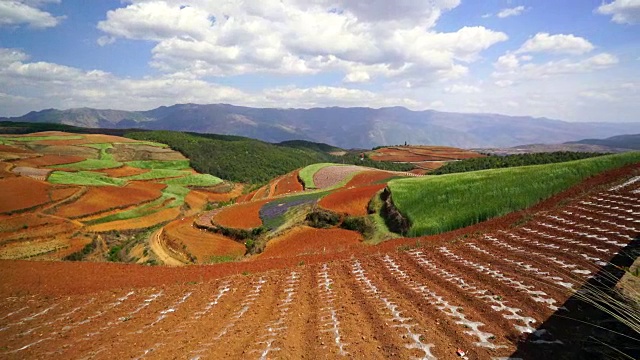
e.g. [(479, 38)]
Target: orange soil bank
[(102, 198), (137, 223), (369, 178), (288, 184), (48, 160), (351, 201), (240, 216), (307, 240), (123, 171), (200, 243), (21, 193)]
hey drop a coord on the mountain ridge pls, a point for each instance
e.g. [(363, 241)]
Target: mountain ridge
[(345, 127)]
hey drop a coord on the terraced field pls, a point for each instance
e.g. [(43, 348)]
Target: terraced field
[(499, 292), (62, 192)]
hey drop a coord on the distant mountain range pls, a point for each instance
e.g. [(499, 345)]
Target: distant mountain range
[(343, 127)]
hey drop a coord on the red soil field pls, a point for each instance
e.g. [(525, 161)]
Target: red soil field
[(200, 243), (58, 193), (240, 216), (123, 171), (430, 165), (48, 160), (352, 201), (13, 149), (103, 198), (9, 225), (137, 223), (307, 240), (17, 193), (197, 199), (332, 175), (5, 170), (288, 184), (261, 193), (369, 178)]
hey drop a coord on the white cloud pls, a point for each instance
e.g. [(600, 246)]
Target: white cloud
[(462, 89), (557, 43), (518, 10), (376, 38), (597, 95), (510, 68), (18, 12), (330, 96), (105, 40), (622, 11)]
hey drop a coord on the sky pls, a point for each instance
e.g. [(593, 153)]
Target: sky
[(573, 60)]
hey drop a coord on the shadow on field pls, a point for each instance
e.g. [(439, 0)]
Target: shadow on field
[(587, 331)]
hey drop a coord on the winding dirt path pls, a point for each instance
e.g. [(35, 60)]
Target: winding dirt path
[(158, 248)]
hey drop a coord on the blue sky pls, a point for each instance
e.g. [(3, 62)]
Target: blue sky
[(575, 60)]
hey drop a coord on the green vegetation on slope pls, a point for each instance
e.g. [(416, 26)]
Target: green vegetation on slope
[(89, 164), (160, 164), (84, 178), (232, 157), (497, 162), (436, 204), (195, 180), (154, 174)]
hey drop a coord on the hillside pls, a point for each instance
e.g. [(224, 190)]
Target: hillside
[(343, 127), (618, 142)]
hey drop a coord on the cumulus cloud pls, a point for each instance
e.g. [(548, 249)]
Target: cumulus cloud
[(361, 39), (622, 11), (510, 68), (557, 44), (19, 12), (518, 10)]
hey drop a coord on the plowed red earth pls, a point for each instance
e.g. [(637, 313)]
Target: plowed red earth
[(369, 178), (351, 201), (288, 184), (48, 160), (474, 294), (123, 171), (204, 245), (422, 153), (240, 216), (304, 240), (103, 198), (17, 193)]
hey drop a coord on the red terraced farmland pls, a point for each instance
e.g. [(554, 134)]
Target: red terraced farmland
[(307, 240), (17, 193), (48, 160), (142, 222), (204, 245), (288, 184), (103, 198), (240, 216), (352, 201), (123, 171), (369, 178)]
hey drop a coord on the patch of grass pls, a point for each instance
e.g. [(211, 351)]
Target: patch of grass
[(436, 204), (306, 174), (103, 147), (195, 180), (159, 174), (160, 164), (84, 178), (221, 259), (89, 164)]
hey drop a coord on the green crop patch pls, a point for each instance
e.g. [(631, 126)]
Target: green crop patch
[(195, 180), (436, 204), (160, 164), (84, 178), (89, 164), (159, 174)]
